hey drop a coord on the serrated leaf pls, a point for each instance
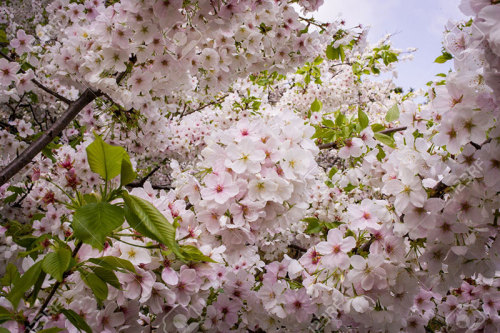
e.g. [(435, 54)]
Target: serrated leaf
[(105, 159), (76, 320), (147, 219), (385, 139), (93, 222), (56, 263), (392, 114), (107, 276), (111, 262), (363, 119), (98, 286), (25, 282)]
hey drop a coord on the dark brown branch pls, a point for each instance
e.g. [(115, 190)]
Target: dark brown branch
[(393, 130), (38, 84), (57, 127)]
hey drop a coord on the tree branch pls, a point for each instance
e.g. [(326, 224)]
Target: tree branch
[(57, 127), (38, 84)]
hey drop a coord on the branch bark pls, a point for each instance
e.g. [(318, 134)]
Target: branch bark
[(57, 127)]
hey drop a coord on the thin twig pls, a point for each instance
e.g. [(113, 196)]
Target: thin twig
[(217, 101)]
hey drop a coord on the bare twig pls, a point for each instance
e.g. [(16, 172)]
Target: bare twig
[(201, 107)]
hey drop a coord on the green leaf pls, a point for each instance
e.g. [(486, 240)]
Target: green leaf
[(51, 330), (314, 225), (362, 119), (328, 122), (392, 114), (316, 105), (340, 120), (443, 58), (37, 287), (3, 36), (4, 330), (98, 286), (5, 314), (56, 263), (11, 275), (192, 253), (349, 188), (332, 172), (342, 53), (111, 262), (381, 153), (105, 159), (385, 139), (76, 320), (377, 127), (332, 53), (26, 281), (93, 222), (146, 219), (127, 171), (107, 276)]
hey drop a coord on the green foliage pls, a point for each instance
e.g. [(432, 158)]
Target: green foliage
[(392, 114), (315, 226), (106, 160), (385, 139), (362, 119), (27, 280), (76, 320), (56, 263), (316, 106), (113, 263), (311, 73), (96, 284), (93, 222), (444, 57), (147, 219)]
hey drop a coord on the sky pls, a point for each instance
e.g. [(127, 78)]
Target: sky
[(413, 23)]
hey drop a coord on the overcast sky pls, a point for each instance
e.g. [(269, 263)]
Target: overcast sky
[(414, 23)]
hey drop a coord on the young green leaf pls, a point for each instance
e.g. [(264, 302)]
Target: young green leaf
[(56, 263), (316, 105), (362, 119), (392, 114), (26, 281), (5, 314), (76, 320), (107, 276), (93, 222), (192, 253), (105, 159), (385, 139), (98, 286), (147, 219), (51, 330), (127, 174)]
